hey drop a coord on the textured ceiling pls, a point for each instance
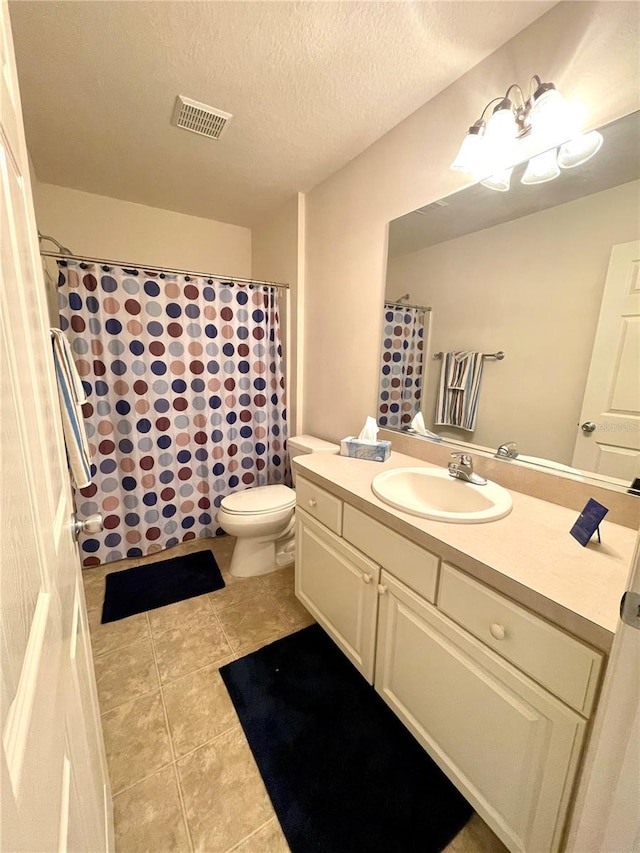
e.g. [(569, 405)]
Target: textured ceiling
[(310, 86)]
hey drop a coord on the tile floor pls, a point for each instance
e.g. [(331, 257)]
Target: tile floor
[(182, 775)]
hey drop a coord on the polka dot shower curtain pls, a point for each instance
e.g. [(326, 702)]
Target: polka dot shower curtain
[(403, 332), (185, 400)]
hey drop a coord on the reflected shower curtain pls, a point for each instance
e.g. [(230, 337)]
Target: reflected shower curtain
[(401, 368), (186, 400)]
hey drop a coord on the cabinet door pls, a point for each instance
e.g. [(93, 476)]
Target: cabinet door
[(338, 585), (509, 746)]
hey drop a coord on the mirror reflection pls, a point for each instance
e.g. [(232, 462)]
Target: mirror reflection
[(546, 274)]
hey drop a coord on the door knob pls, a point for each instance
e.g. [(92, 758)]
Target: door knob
[(588, 426), (366, 578), (312, 502), (90, 524)]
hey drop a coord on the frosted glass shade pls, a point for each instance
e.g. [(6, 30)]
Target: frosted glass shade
[(548, 108), (542, 168), (551, 119), (580, 149), (471, 153), (500, 141), (499, 181)]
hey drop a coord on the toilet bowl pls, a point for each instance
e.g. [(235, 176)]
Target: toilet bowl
[(263, 519)]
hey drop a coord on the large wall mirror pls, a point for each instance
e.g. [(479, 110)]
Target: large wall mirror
[(548, 275)]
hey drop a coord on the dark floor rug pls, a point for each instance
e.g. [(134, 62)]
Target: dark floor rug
[(157, 584), (343, 773)]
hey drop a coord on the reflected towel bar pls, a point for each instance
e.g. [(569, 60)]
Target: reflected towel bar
[(497, 355)]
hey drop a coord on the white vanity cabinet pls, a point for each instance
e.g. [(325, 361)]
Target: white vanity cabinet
[(508, 745), (499, 697), (339, 587)]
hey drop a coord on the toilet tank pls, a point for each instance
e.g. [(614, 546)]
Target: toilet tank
[(299, 444)]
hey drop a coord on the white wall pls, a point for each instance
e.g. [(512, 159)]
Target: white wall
[(531, 287), (102, 227), (588, 49), (278, 255)]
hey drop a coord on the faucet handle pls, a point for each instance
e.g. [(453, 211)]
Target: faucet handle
[(462, 458), (508, 450)]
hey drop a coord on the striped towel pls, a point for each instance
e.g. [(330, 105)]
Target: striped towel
[(459, 389), (72, 396)]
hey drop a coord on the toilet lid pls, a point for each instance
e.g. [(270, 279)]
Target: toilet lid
[(261, 499)]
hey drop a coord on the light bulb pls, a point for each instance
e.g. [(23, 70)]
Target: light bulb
[(542, 168), (499, 180), (580, 149)]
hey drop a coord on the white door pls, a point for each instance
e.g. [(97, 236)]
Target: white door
[(612, 397), (607, 816), (54, 793)]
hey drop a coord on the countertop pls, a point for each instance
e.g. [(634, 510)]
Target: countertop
[(528, 556)]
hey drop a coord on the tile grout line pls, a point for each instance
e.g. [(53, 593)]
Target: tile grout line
[(200, 669), (252, 834), (117, 648), (221, 626), (281, 609), (271, 597), (183, 808), (294, 624), (143, 779), (176, 774), (126, 702), (210, 741)]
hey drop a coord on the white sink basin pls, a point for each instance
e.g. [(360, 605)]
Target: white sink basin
[(433, 493)]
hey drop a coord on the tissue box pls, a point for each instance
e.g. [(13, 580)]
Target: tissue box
[(375, 451)]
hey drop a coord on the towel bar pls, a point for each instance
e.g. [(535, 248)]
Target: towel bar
[(497, 355)]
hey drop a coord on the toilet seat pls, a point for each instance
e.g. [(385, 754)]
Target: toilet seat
[(260, 501)]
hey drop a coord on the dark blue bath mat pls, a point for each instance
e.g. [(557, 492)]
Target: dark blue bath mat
[(343, 773), (157, 584)]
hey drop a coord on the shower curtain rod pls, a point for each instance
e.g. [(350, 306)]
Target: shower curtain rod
[(65, 257), (406, 305)]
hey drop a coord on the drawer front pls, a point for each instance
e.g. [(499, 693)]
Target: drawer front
[(560, 663), (407, 562), (320, 505)]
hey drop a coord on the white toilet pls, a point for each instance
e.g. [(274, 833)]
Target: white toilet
[(263, 519)]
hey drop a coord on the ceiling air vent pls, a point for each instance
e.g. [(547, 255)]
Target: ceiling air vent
[(200, 118), (429, 207)]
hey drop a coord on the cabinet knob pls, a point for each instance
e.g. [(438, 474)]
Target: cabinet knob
[(367, 578), (381, 589), (497, 631), (312, 502)]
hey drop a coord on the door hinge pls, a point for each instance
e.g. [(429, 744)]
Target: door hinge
[(630, 609)]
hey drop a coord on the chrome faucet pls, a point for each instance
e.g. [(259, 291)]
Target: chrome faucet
[(507, 451), (462, 469)]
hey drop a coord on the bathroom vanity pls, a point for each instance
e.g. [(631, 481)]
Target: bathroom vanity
[(489, 641)]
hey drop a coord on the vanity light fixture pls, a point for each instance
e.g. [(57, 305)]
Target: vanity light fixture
[(492, 147)]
